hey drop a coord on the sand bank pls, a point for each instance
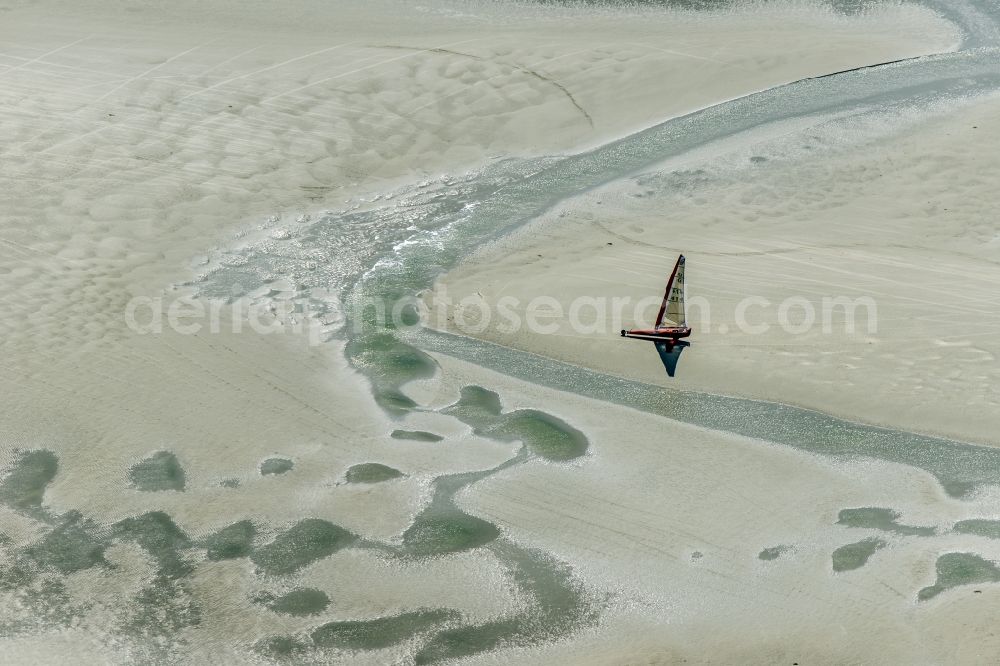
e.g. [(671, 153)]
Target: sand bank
[(901, 218)]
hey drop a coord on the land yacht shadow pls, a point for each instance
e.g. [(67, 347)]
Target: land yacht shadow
[(670, 354)]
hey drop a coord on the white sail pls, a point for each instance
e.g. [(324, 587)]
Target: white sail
[(675, 298)]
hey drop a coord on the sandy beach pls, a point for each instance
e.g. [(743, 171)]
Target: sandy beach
[(228, 496)]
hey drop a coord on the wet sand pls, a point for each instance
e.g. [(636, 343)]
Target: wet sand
[(177, 496)]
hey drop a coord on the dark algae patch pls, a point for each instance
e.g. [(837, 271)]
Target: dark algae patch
[(980, 527), (276, 466), (164, 606), (544, 435), (442, 527), (159, 536), (281, 647), (381, 632), (303, 543), (416, 435), (389, 363), (24, 485), (955, 569), (558, 606), (160, 471), (70, 546), (880, 519), (447, 533), (773, 553), (371, 473), (855, 555), (49, 604), (232, 541), (476, 406), (155, 617), (299, 602), (160, 611)]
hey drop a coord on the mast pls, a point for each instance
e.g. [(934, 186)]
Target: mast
[(669, 297), (676, 311)]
